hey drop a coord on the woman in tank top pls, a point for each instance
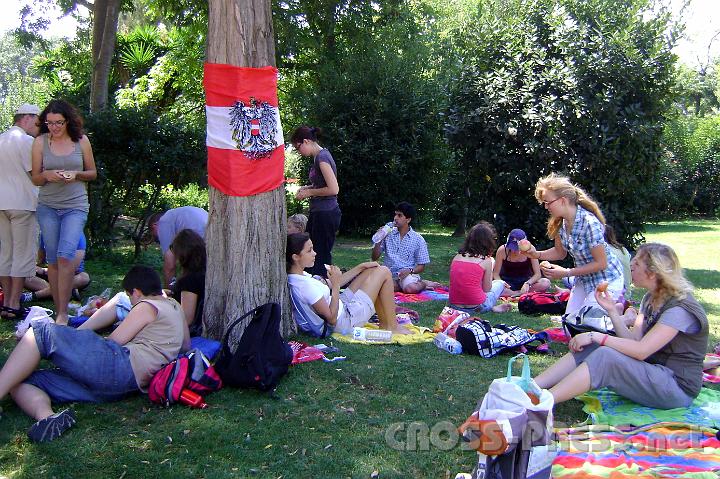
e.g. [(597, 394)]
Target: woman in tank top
[(520, 273), (62, 162)]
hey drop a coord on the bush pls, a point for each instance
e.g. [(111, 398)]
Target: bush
[(139, 154), (572, 87)]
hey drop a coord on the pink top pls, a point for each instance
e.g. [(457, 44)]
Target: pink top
[(466, 280)]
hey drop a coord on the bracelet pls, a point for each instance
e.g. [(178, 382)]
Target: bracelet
[(602, 343)]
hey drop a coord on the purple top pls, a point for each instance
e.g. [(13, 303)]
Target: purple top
[(317, 180)]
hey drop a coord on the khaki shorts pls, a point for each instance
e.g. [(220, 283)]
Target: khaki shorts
[(18, 243)]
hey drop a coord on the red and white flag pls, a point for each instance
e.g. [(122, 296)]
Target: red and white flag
[(246, 153)]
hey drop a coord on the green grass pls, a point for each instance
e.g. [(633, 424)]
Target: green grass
[(329, 420)]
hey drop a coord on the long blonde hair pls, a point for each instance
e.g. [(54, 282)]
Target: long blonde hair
[(563, 187), (661, 260)]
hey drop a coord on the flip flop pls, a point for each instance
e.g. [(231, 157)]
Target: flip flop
[(13, 314)]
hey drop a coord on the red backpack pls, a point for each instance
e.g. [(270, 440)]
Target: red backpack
[(190, 371), (543, 303)]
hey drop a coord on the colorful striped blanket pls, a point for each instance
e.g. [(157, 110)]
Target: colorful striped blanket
[(437, 294), (606, 407), (669, 450)]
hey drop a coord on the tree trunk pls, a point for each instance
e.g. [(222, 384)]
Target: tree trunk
[(105, 23), (245, 236)]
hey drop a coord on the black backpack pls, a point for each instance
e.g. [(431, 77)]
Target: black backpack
[(262, 357)]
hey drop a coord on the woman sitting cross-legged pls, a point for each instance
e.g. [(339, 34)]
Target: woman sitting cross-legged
[(371, 289), (658, 363), (90, 368), (472, 288)]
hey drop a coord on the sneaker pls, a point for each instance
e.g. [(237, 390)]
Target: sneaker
[(26, 297), (36, 314), (52, 427)]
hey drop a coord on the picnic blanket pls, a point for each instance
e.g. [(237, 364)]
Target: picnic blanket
[(708, 376), (557, 335), (670, 450), (419, 335), (606, 407), (440, 293)]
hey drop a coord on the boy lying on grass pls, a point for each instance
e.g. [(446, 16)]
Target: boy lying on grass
[(90, 368)]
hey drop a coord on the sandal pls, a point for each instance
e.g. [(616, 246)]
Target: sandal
[(13, 314)]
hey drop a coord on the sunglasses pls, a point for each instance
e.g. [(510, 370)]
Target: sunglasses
[(56, 123)]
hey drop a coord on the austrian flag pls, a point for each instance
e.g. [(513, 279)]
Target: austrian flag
[(246, 153)]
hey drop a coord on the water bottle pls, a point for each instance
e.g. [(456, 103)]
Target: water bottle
[(451, 345), (383, 232), (377, 335), (192, 399)]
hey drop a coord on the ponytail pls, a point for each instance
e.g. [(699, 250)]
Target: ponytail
[(563, 187)]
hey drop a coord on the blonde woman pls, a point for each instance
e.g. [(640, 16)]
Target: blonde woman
[(577, 226), (656, 363)]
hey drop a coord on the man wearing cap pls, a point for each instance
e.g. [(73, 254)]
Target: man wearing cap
[(18, 202), (520, 273)]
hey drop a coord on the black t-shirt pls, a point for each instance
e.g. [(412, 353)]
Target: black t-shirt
[(192, 283)]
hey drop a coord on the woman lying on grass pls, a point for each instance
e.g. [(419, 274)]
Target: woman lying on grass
[(371, 289), (657, 363), (90, 368)]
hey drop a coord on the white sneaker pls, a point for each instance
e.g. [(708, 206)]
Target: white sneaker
[(36, 314)]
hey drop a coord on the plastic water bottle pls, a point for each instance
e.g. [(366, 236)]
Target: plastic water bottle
[(365, 334), (383, 232), (192, 399), (451, 345)]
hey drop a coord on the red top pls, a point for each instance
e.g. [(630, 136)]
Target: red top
[(466, 280)]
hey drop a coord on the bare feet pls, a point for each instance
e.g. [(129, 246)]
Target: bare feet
[(61, 319), (502, 308), (401, 330)]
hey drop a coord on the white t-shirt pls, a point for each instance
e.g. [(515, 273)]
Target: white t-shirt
[(309, 290), (16, 190)]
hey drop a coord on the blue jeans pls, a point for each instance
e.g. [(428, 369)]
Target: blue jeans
[(61, 230), (90, 368), (491, 298)]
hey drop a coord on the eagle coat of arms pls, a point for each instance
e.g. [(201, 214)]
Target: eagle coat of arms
[(254, 127)]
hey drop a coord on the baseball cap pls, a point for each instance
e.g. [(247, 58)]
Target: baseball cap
[(27, 109), (512, 240)]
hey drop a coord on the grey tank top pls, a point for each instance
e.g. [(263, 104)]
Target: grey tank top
[(72, 196)]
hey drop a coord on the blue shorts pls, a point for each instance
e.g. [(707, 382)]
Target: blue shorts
[(61, 231), (90, 368)]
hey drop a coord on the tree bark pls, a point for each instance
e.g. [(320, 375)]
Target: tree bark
[(105, 23), (245, 236)]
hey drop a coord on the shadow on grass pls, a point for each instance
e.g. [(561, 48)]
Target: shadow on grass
[(678, 228), (704, 278)]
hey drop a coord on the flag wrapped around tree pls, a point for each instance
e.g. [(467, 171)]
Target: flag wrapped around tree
[(244, 135)]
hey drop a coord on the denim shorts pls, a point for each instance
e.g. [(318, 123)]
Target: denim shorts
[(89, 368), (491, 298), (61, 230)]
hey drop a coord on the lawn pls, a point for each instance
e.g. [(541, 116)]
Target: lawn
[(389, 409)]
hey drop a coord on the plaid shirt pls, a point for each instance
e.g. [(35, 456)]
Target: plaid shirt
[(587, 232), (404, 253)]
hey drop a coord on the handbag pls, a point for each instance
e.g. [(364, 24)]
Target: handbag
[(514, 420), (587, 319)]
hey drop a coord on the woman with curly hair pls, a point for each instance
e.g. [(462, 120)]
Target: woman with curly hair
[(62, 163), (472, 288), (658, 362), (577, 226)]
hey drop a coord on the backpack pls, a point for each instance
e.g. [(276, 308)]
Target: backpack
[(262, 357), (190, 371), (302, 314), (477, 336), (543, 303)]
